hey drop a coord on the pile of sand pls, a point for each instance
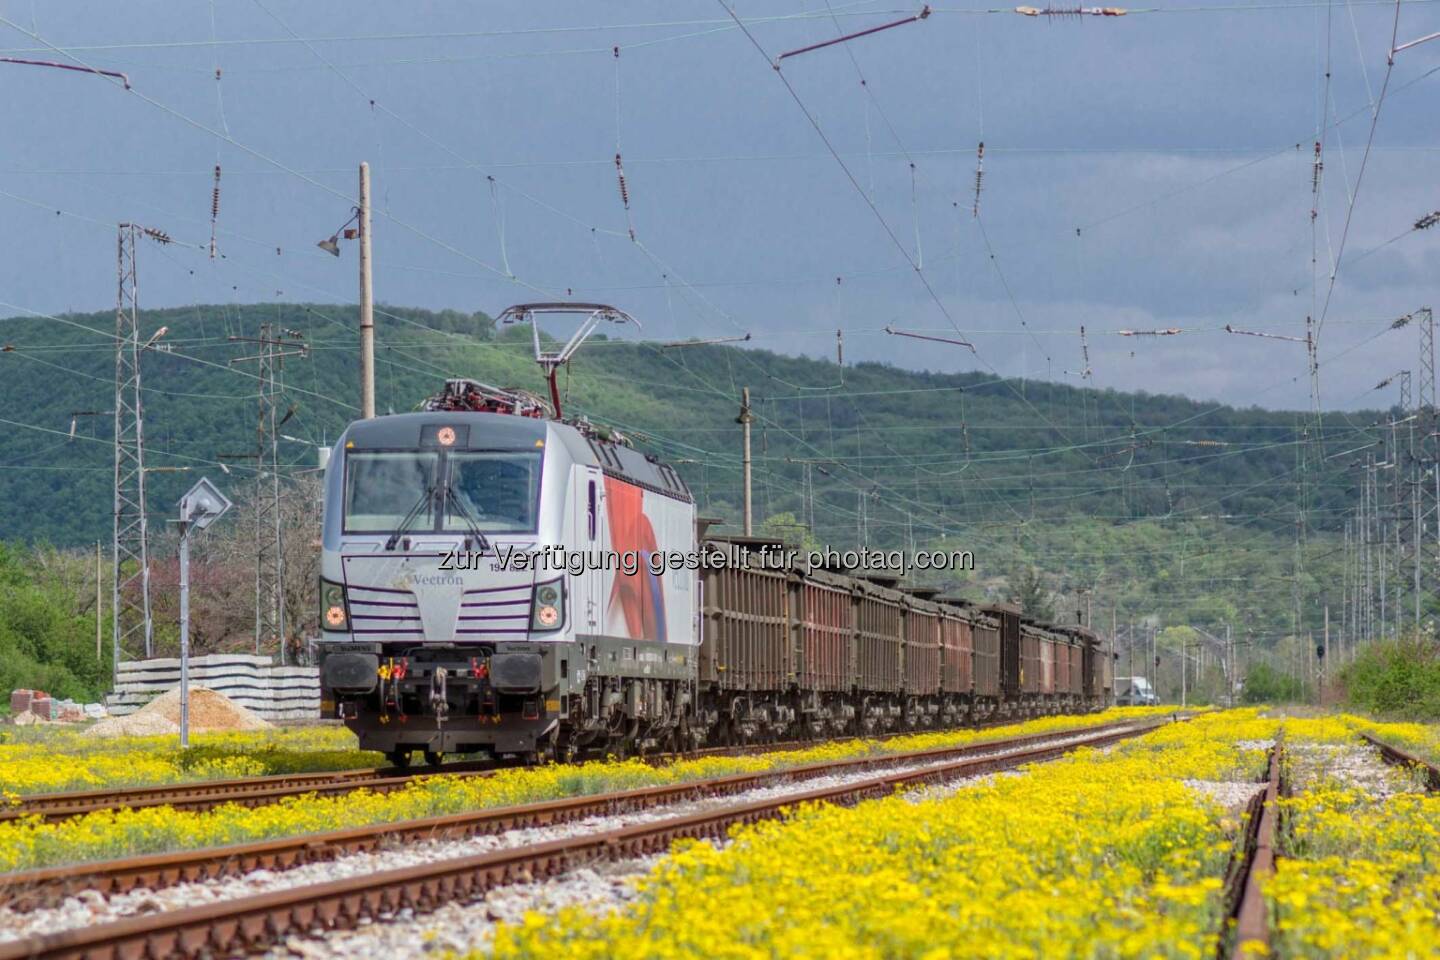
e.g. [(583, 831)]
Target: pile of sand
[(210, 712)]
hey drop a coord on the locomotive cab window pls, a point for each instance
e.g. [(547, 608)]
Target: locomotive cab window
[(499, 491), (381, 488), (493, 491)]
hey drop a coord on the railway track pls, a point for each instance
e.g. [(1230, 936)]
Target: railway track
[(1252, 866), (257, 791), (248, 923), (1401, 758), (204, 794), (1246, 880)]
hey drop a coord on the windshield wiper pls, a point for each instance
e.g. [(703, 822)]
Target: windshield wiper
[(451, 496), (425, 499)]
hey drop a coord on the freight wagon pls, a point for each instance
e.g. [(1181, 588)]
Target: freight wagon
[(813, 652)]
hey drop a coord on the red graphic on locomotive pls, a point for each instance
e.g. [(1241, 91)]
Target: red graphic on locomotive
[(639, 597)]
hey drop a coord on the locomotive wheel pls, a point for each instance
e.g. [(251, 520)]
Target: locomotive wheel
[(399, 758), (434, 758)]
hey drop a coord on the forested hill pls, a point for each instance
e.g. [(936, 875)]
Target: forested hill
[(936, 451), (1022, 472)]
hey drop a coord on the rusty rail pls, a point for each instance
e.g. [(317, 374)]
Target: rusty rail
[(249, 923), (1400, 758), (256, 791), (1252, 867), (205, 794)]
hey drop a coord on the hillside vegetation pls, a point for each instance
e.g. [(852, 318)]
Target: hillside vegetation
[(1157, 506)]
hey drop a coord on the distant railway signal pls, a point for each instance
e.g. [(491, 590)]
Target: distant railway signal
[(201, 506)]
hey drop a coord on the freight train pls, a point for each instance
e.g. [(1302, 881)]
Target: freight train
[(497, 580)]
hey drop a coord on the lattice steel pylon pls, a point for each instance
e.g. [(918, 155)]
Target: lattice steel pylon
[(1427, 533), (269, 525), (129, 551), (1402, 484)]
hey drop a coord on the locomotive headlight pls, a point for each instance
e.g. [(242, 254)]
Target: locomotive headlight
[(333, 612), (548, 606)]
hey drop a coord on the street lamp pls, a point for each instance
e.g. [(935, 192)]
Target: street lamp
[(331, 244)]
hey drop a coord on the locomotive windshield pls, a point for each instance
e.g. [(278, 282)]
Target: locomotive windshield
[(498, 492)]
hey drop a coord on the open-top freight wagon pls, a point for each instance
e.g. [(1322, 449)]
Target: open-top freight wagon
[(814, 652)]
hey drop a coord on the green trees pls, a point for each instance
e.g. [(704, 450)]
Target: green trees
[(1027, 587), (1265, 684), (47, 623), (1396, 678), (1153, 506)]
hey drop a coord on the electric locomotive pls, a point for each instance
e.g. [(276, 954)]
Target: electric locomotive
[(488, 582)]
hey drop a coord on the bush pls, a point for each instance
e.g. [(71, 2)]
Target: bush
[(47, 636), (1265, 684), (1398, 678)]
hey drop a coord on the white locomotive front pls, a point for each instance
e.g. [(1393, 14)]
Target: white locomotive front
[(489, 583)]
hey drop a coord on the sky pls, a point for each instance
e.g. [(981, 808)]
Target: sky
[(1144, 172)]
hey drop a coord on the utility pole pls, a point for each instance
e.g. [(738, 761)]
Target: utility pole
[(1130, 635), (184, 635), (745, 419), (1429, 455), (129, 552), (1182, 672), (1114, 655), (1417, 538), (1369, 525), (269, 527), (1155, 667), (1345, 586), (1229, 666), (1325, 643), (99, 655), (367, 305)]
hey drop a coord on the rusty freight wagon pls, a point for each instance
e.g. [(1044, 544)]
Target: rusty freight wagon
[(823, 608), (922, 659), (989, 692), (746, 620), (1050, 659), (811, 652), (1012, 671), (957, 665), (879, 638)]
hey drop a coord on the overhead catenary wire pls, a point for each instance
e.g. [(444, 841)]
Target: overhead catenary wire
[(507, 268)]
